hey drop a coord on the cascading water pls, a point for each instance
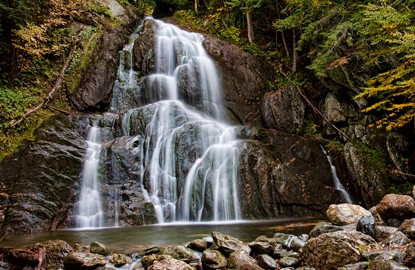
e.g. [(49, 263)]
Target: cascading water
[(336, 181), (188, 156), (89, 212)]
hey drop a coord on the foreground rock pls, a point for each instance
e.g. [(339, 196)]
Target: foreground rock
[(335, 249)]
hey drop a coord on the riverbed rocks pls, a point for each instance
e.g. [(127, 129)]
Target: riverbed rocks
[(345, 248)]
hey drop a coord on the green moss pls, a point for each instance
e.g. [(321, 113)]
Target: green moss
[(335, 145), (80, 61)]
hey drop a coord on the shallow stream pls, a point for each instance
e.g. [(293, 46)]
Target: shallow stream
[(133, 239)]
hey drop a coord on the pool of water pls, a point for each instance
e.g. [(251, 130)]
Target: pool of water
[(133, 239)]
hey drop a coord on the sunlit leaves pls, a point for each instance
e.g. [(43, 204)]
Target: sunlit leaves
[(392, 91)]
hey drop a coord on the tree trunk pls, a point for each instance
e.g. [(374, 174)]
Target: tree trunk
[(196, 6), (295, 55), (250, 27), (284, 42)]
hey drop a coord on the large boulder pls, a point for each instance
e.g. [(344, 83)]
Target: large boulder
[(335, 249), (244, 80), (395, 206), (284, 110), (343, 214)]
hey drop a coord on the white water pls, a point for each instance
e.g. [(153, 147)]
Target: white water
[(336, 181), (89, 211), (209, 190)]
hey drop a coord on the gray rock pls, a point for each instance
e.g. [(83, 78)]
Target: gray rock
[(334, 249), (80, 260), (324, 227), (229, 244), (343, 214), (289, 262), (179, 252), (214, 259), (55, 252), (385, 254), (284, 110), (95, 88), (263, 245), (171, 264), (241, 260), (409, 259), (198, 244), (375, 214), (384, 232), (408, 228), (48, 166), (118, 259), (148, 260), (266, 261), (336, 111), (396, 239), (366, 225), (382, 264), (99, 248), (355, 266), (368, 174), (240, 71)]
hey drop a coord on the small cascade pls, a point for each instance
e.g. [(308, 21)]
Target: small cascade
[(116, 209), (336, 181), (188, 155), (89, 212)]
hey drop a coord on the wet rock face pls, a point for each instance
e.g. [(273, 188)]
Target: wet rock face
[(275, 168), (94, 90), (143, 50), (368, 174), (244, 79), (44, 168), (284, 110)]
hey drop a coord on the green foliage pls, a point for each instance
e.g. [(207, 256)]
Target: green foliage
[(335, 146), (310, 128), (82, 56), (401, 188), (390, 30)]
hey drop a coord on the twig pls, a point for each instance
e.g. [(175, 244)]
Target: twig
[(51, 93), (312, 105), (1, 239)]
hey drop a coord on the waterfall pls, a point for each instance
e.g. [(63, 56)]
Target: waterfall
[(336, 181), (189, 155), (89, 212)]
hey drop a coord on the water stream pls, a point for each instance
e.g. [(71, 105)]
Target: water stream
[(188, 154), (336, 181), (89, 212)]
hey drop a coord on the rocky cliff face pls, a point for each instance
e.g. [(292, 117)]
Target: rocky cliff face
[(94, 90), (282, 171), (39, 183)]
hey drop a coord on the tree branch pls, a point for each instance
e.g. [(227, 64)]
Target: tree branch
[(52, 92)]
